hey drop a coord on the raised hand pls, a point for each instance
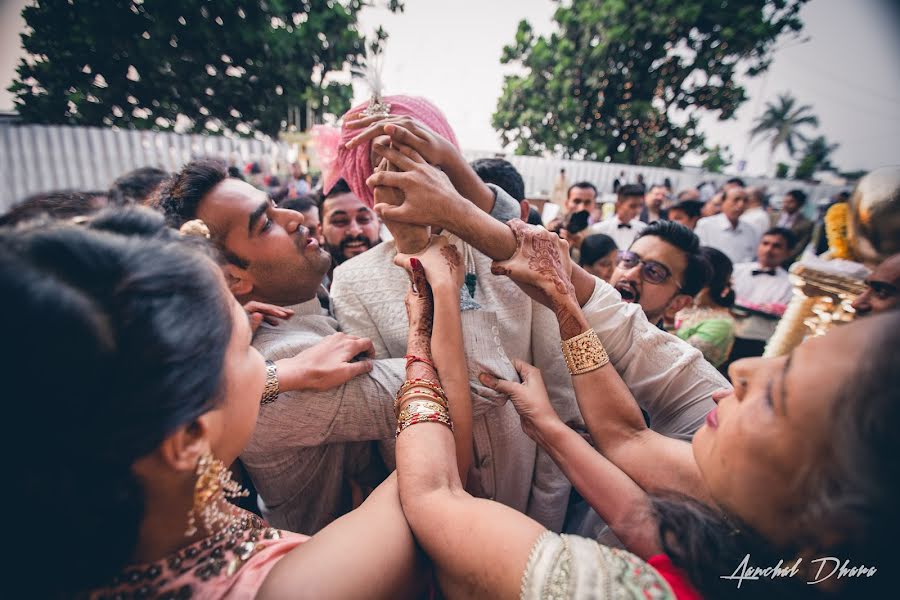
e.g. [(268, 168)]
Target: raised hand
[(406, 131), (429, 197), (420, 311), (326, 365), (529, 397), (441, 262), (540, 265)]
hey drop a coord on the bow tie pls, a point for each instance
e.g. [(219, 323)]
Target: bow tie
[(756, 272), (624, 225)]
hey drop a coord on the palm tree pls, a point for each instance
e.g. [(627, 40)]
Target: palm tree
[(816, 157), (780, 124)]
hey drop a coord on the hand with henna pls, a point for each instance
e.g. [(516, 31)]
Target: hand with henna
[(420, 311), (441, 261), (542, 269)]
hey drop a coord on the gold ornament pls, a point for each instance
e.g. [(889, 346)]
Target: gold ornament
[(214, 484), (874, 221)]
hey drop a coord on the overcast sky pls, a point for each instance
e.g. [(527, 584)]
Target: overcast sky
[(848, 70)]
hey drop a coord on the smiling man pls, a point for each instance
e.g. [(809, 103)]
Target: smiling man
[(349, 227), (662, 270)]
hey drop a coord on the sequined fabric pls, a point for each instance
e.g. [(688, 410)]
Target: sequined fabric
[(214, 567), (562, 567)]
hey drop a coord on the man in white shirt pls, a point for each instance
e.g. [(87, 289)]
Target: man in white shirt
[(624, 225), (763, 287), (757, 215), (726, 232)]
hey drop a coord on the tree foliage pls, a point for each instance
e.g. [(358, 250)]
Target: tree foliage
[(781, 123), (224, 65), (627, 81), (816, 157), (717, 158)]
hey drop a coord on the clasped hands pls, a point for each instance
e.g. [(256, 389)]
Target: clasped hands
[(418, 155)]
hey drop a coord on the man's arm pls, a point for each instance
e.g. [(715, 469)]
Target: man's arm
[(359, 410)]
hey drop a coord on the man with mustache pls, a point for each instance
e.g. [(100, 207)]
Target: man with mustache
[(349, 227), (662, 270)]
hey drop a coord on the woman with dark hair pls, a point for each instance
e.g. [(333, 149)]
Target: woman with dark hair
[(133, 384), (796, 466), (708, 324), (599, 255)]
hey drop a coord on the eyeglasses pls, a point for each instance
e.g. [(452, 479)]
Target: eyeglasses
[(651, 271)]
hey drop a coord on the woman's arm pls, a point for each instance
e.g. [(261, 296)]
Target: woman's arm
[(619, 501), (370, 548), (434, 314), (610, 412), (479, 548)]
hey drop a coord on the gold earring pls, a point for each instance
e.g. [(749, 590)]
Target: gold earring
[(214, 484)]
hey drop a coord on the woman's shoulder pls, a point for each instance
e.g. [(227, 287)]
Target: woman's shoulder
[(229, 564)]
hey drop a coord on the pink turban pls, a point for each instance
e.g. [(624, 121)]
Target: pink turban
[(354, 165)]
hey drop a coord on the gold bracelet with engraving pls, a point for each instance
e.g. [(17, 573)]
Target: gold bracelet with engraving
[(584, 352)]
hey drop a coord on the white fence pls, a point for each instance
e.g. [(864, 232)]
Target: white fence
[(43, 158), (540, 175)]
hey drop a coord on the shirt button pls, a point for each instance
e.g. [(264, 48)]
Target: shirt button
[(494, 330), (485, 461), (497, 340)]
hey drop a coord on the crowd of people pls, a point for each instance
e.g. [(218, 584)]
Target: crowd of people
[(746, 248), (399, 383)]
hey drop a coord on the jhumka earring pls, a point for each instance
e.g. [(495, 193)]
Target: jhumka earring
[(214, 484)]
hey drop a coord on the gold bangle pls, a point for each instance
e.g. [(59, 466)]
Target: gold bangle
[(412, 384), (421, 407), (584, 352), (443, 419), (423, 394), (271, 389), (431, 384)]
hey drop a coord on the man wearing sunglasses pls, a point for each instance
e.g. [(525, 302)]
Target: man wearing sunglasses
[(882, 288), (662, 270)]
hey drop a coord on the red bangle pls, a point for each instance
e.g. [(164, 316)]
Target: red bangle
[(411, 358)]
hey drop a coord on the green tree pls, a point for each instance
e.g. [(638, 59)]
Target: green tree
[(227, 65), (781, 123), (816, 157), (628, 81), (717, 158)]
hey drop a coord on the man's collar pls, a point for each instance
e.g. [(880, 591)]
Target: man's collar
[(310, 307), (726, 223)]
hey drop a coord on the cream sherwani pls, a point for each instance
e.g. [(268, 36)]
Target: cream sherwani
[(670, 379)]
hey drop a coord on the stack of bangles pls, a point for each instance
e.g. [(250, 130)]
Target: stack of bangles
[(421, 401)]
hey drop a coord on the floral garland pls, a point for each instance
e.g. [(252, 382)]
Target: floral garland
[(836, 231)]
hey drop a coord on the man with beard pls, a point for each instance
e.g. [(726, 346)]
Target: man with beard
[(662, 270), (349, 227)]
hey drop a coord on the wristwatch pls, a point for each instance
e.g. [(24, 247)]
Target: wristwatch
[(270, 392)]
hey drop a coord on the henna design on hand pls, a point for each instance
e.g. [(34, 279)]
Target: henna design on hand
[(451, 255)]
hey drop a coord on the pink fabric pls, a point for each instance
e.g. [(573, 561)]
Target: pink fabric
[(355, 166), (201, 569)]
